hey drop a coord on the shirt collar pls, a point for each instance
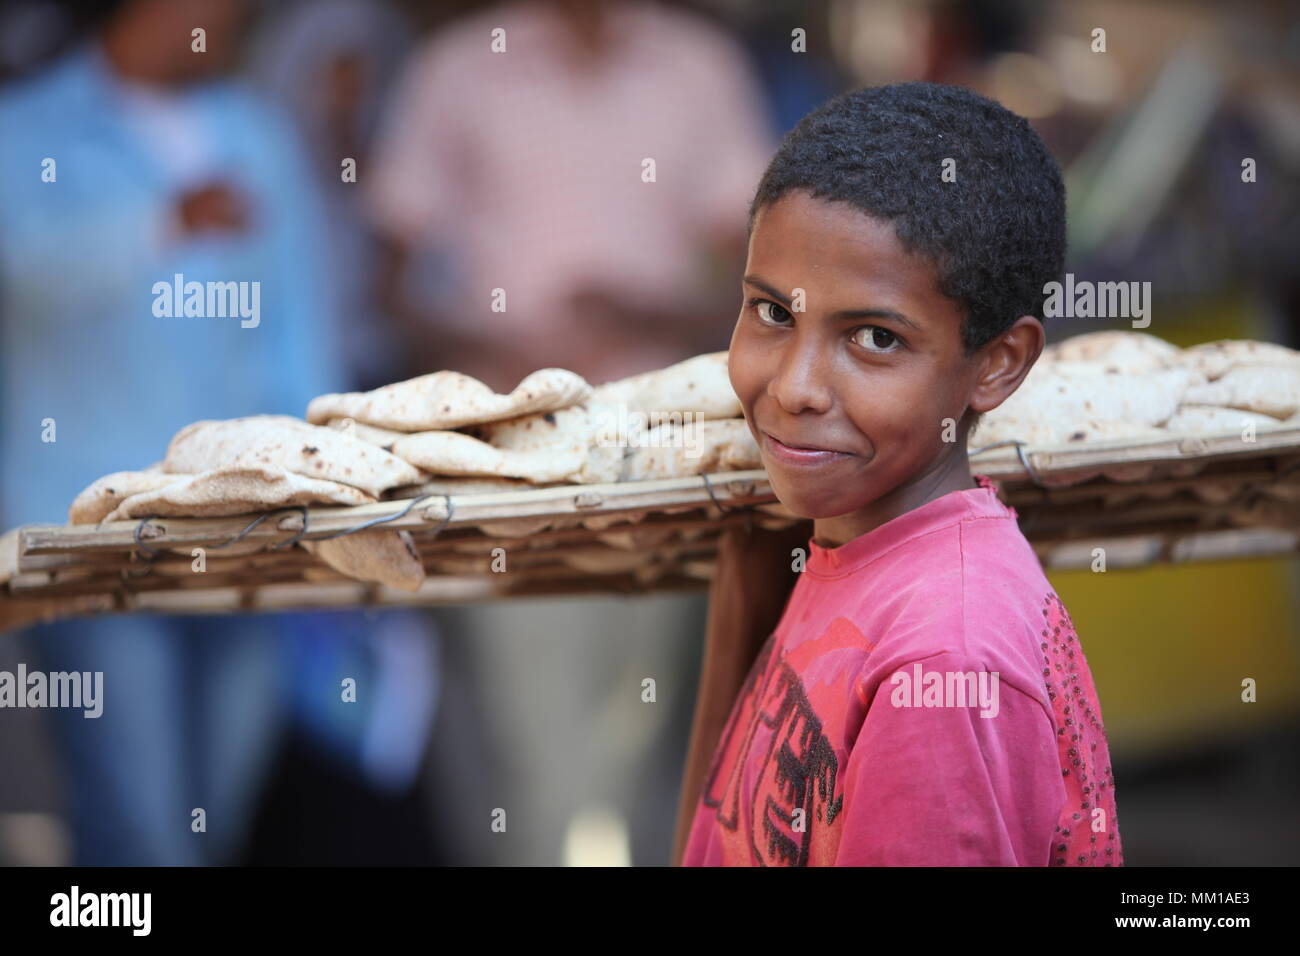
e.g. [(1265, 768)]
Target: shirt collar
[(946, 510)]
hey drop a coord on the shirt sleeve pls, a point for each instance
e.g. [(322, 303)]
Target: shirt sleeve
[(945, 786)]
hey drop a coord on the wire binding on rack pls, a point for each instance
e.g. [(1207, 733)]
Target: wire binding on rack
[(709, 488), (376, 521), (139, 528), (153, 553), (1020, 453), (296, 537), (240, 536)]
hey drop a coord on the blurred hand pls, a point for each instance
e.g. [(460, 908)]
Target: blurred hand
[(216, 207)]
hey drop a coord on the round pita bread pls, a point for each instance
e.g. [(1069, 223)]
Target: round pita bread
[(98, 500), (1214, 359), (1120, 350), (1211, 420), (223, 492), (702, 447), (1266, 389), (442, 400), (279, 441), (1050, 406), (384, 557), (699, 385)]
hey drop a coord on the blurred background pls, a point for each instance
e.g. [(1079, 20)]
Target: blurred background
[(376, 167)]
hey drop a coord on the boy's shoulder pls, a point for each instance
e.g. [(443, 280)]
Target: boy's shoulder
[(972, 590)]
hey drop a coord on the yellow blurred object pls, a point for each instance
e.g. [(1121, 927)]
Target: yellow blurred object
[(1169, 645)]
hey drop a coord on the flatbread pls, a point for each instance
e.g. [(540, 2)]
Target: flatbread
[(1211, 420), (589, 431), (675, 451), (1214, 359), (446, 399), (575, 445), (102, 496), (1123, 351), (222, 492), (383, 437), (385, 557), (1037, 435), (285, 442), (699, 385), (1266, 389), (455, 454), (1049, 404)]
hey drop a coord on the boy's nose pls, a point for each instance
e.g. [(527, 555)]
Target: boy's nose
[(801, 382)]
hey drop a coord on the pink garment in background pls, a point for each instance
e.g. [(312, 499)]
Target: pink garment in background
[(527, 166), (952, 586)]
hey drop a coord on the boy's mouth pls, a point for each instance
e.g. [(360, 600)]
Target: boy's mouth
[(799, 454)]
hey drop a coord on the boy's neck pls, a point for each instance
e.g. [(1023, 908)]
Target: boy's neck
[(951, 474)]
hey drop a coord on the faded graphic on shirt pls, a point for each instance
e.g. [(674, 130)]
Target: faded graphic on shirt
[(774, 781)]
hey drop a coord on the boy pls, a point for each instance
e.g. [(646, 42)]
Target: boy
[(924, 699)]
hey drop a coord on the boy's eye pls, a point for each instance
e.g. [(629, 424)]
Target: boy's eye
[(770, 312), (874, 338)]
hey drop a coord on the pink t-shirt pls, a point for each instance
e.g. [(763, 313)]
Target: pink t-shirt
[(924, 700)]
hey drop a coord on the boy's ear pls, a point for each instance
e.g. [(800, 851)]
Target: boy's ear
[(1004, 363)]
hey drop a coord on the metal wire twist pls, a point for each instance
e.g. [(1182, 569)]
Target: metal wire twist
[(152, 554), (376, 521), (717, 504), (1020, 453)]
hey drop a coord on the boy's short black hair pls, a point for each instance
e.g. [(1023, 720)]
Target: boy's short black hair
[(996, 234)]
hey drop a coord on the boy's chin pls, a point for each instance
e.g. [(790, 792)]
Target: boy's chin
[(810, 506)]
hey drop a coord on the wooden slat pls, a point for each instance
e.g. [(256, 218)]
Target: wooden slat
[(734, 488), (1207, 497)]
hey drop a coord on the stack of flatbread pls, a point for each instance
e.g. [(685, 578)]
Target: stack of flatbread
[(449, 433), (439, 433), (1120, 385)]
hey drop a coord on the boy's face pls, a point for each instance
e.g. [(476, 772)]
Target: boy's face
[(868, 372)]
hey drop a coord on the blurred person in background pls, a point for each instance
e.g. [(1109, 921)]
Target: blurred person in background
[(522, 170), (131, 160), (330, 64), (32, 32), (526, 170)]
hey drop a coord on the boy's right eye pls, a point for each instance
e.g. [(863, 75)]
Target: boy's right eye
[(770, 312)]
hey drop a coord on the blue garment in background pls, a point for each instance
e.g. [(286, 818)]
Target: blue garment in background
[(193, 706)]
